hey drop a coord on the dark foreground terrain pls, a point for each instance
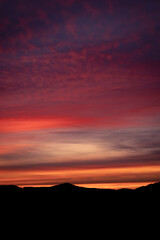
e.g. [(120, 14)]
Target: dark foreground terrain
[(69, 194), (74, 210)]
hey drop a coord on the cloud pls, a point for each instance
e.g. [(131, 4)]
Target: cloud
[(51, 174), (77, 146), (86, 69)]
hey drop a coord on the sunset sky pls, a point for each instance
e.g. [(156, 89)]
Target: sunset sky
[(80, 92)]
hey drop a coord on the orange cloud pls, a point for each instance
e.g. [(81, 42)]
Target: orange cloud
[(99, 176)]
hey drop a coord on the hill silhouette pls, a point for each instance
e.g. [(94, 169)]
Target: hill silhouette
[(67, 187), (70, 190), (68, 200)]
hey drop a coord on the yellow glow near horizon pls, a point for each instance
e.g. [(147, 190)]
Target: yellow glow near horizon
[(131, 185), (100, 177)]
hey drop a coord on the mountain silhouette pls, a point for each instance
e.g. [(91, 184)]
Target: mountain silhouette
[(153, 187), (9, 189), (70, 200), (70, 190), (64, 187)]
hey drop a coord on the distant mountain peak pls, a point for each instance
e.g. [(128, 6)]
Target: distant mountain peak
[(65, 186)]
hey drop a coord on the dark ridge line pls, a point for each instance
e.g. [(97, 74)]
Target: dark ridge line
[(69, 186)]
